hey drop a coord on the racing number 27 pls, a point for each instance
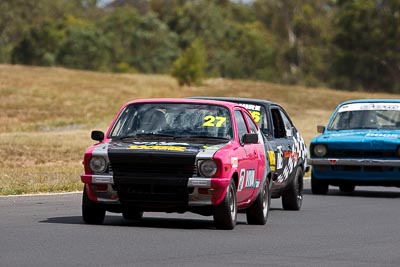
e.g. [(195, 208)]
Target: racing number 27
[(211, 121)]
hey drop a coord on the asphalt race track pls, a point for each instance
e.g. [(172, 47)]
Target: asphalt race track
[(360, 229)]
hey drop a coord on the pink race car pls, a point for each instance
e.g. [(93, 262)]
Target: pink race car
[(178, 155)]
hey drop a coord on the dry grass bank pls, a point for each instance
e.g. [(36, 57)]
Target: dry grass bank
[(46, 115)]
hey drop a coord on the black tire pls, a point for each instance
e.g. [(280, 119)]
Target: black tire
[(292, 197), (132, 214), (257, 213), (347, 188), (318, 186), (225, 213), (92, 213)]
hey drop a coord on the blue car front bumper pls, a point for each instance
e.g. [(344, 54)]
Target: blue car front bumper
[(356, 169)]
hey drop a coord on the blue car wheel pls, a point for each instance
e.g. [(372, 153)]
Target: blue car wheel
[(318, 186)]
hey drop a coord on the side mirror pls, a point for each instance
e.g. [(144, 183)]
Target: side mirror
[(320, 128), (250, 138), (97, 135)]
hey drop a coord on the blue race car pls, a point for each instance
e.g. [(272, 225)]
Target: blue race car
[(359, 146)]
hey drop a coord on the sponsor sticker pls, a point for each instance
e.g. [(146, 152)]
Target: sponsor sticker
[(271, 156), (279, 158), (369, 106), (241, 179), (382, 135), (158, 147), (251, 107), (254, 111), (250, 178), (234, 162)]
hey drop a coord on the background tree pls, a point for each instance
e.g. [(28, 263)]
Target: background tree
[(345, 44), (249, 53), (118, 27), (84, 47), (18, 17), (189, 67), (153, 46), (303, 34), (203, 19), (367, 45), (40, 45)]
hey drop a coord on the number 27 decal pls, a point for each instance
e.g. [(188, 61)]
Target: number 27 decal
[(213, 121)]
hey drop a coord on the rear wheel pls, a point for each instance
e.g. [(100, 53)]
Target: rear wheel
[(257, 213), (347, 188), (92, 212), (318, 186), (225, 213), (292, 197)]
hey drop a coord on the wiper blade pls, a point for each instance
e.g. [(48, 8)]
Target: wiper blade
[(141, 135), (154, 134), (369, 128), (124, 137)]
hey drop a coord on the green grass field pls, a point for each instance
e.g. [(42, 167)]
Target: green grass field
[(47, 114)]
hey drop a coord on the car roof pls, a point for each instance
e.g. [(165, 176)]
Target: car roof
[(183, 100), (237, 99)]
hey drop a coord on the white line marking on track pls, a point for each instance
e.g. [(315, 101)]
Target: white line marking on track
[(42, 194)]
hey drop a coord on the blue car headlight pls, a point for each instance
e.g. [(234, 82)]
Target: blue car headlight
[(320, 150)]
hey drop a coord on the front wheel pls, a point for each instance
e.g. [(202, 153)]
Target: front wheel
[(292, 197), (225, 213), (92, 213), (318, 186), (257, 213)]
